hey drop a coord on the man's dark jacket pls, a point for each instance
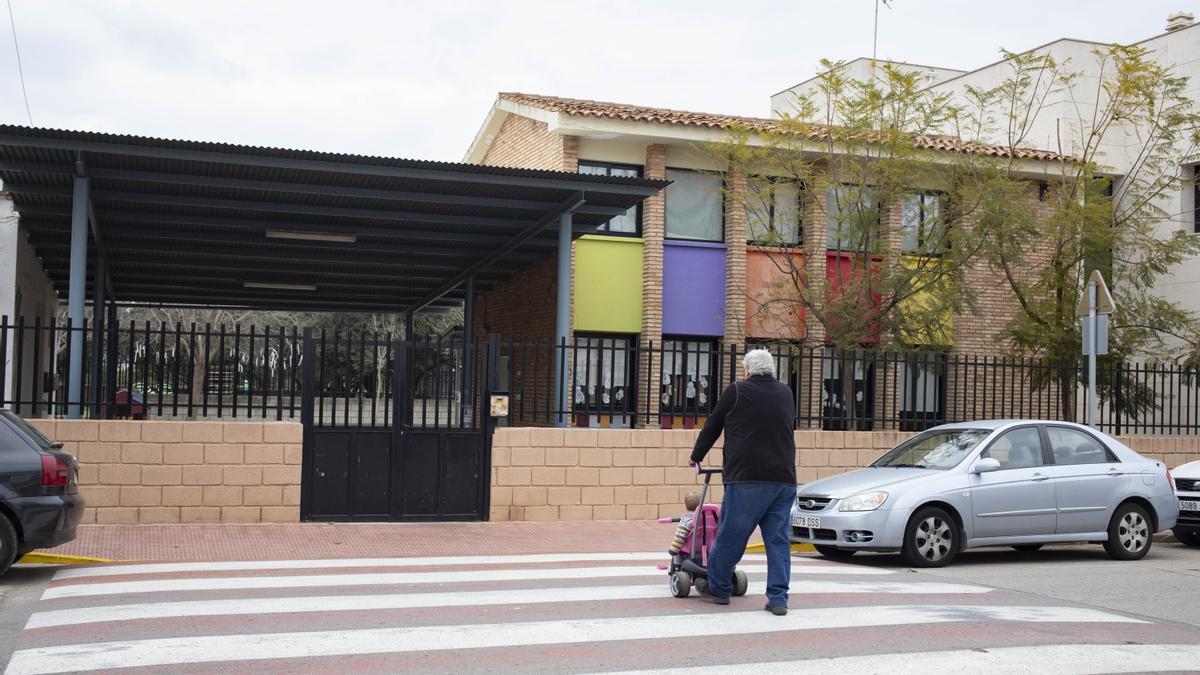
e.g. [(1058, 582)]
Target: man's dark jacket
[(757, 415)]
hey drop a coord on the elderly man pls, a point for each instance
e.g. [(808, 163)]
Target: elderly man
[(757, 415)]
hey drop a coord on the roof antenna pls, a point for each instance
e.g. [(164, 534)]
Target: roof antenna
[(875, 37), (20, 71)]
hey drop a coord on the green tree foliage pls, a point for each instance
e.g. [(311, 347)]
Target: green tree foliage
[(1086, 219), (862, 151)]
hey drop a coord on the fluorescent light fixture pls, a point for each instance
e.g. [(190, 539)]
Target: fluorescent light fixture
[(278, 287), (305, 235)]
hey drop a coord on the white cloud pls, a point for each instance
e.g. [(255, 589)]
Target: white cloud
[(414, 79)]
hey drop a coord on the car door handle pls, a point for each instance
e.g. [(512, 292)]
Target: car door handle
[(1040, 476)]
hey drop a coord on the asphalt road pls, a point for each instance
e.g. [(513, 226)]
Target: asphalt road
[(20, 590), (1165, 585)]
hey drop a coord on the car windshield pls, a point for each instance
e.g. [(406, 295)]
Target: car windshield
[(933, 450), (37, 437)]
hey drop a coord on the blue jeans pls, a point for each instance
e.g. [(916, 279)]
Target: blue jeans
[(767, 506)]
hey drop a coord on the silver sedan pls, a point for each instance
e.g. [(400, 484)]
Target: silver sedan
[(1019, 483)]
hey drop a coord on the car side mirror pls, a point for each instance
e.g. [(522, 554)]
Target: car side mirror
[(985, 465)]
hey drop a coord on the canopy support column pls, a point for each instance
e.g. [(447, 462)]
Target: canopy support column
[(77, 290), (562, 317)]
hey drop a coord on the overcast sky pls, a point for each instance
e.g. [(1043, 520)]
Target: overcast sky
[(415, 79)]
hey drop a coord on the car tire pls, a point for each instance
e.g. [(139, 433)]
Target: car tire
[(833, 551), (1129, 533), (1028, 548), (931, 539), (8, 544), (1186, 537)]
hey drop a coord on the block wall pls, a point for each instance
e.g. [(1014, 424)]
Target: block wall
[(184, 472), (642, 474)]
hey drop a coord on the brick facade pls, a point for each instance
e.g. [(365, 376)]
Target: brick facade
[(529, 144), (138, 473), (523, 308)]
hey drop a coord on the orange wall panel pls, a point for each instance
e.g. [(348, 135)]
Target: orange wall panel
[(773, 310)]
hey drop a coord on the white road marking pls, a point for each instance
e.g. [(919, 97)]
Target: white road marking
[(226, 648), (402, 579), (1057, 659), (339, 603), (438, 561)]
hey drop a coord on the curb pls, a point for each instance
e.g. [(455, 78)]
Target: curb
[(760, 548), (56, 559)]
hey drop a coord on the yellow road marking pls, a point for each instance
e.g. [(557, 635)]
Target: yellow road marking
[(56, 559)]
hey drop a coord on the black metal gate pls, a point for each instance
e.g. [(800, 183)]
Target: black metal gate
[(393, 430)]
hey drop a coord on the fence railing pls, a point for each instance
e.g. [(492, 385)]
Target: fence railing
[(139, 370), (623, 382), (164, 371)]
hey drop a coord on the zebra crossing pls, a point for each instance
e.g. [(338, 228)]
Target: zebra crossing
[(598, 612)]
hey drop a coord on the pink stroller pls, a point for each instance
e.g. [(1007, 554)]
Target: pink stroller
[(689, 566)]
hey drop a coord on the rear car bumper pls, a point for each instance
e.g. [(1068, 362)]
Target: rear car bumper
[(47, 521), (885, 528)]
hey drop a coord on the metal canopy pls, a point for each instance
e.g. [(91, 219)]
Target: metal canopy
[(187, 222)]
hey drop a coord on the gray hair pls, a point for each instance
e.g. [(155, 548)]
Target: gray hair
[(759, 362)]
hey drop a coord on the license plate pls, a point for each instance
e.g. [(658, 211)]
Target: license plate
[(1189, 505), (809, 521)]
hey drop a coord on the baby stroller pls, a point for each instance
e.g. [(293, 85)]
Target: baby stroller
[(689, 566)]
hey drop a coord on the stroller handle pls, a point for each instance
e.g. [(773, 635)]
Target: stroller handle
[(701, 470)]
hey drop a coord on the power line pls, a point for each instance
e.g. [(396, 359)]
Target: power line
[(20, 70)]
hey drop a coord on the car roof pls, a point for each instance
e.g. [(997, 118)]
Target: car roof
[(993, 425)]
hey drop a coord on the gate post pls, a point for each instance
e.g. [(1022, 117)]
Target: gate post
[(490, 382), (307, 396)]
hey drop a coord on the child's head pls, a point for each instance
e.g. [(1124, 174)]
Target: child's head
[(691, 500)]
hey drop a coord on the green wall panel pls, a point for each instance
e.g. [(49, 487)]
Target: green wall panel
[(608, 284)]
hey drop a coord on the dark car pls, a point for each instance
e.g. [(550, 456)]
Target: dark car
[(40, 504)]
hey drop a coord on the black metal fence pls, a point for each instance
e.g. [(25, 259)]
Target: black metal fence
[(163, 371), (623, 382)]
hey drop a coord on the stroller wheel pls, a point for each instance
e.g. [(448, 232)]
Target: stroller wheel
[(681, 584), (740, 583), (701, 585)]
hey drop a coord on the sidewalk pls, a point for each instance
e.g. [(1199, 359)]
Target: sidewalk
[(298, 541)]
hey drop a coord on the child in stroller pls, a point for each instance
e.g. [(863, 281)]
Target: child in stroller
[(693, 540)]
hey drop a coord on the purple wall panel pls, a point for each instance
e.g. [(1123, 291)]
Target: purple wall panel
[(693, 288)]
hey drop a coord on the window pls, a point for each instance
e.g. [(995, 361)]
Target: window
[(1071, 446), (695, 206), (920, 224), (630, 222), (603, 375), (923, 394), (934, 450), (1196, 199), (1017, 449), (834, 406), (687, 375), (773, 211), (853, 213)]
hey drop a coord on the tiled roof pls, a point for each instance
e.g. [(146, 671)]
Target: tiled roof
[(686, 118)]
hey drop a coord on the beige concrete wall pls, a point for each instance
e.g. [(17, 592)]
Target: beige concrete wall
[(642, 474), (184, 472)]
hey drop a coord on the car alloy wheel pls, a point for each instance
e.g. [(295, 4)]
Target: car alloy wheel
[(1133, 531), (934, 538), (931, 538), (1129, 532)]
